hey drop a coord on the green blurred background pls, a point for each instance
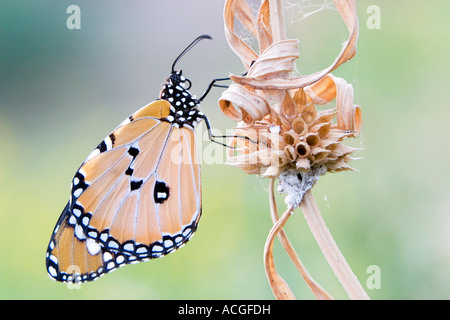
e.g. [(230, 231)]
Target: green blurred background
[(62, 91)]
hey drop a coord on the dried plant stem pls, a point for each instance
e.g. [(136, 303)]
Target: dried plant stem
[(330, 250), (279, 287), (278, 28), (277, 20), (317, 290)]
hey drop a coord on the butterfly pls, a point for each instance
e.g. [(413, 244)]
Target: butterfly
[(137, 196)]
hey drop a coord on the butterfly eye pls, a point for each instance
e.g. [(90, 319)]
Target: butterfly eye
[(175, 78)]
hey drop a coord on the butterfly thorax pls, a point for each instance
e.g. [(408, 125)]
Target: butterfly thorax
[(184, 106)]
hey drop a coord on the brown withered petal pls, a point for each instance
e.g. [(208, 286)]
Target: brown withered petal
[(348, 116), (303, 164), (309, 113), (323, 91), (324, 116), (338, 166), (338, 135), (318, 150), (290, 153), (278, 57), (342, 150), (252, 106), (299, 126), (300, 99), (328, 144), (288, 106), (273, 171)]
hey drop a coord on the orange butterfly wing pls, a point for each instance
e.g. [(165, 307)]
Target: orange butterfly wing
[(70, 260), (137, 196)]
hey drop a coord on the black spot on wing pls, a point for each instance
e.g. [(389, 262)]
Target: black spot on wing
[(136, 184), (161, 192), (112, 136), (102, 146), (133, 152)]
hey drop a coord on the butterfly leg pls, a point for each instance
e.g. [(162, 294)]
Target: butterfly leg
[(212, 84), (208, 125), (212, 137)]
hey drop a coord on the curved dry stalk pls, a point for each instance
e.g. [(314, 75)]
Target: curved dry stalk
[(330, 250), (279, 287), (317, 290), (277, 20)]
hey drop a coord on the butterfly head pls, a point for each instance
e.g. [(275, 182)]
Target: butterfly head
[(177, 79), (175, 90)]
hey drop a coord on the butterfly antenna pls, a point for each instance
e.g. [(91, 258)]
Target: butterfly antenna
[(193, 43)]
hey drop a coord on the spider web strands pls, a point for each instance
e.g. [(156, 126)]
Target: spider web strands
[(297, 10)]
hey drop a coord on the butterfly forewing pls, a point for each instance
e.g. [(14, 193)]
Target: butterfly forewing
[(137, 196)]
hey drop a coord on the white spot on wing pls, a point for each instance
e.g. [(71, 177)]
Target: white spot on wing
[(108, 143), (77, 192), (76, 212), (54, 259), (107, 256), (161, 195), (128, 247), (120, 259), (92, 246), (79, 232), (52, 272), (72, 220)]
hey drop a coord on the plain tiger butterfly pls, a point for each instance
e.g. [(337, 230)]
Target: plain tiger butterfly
[(137, 196)]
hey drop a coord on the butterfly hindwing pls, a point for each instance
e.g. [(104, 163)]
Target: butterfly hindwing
[(74, 258)]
